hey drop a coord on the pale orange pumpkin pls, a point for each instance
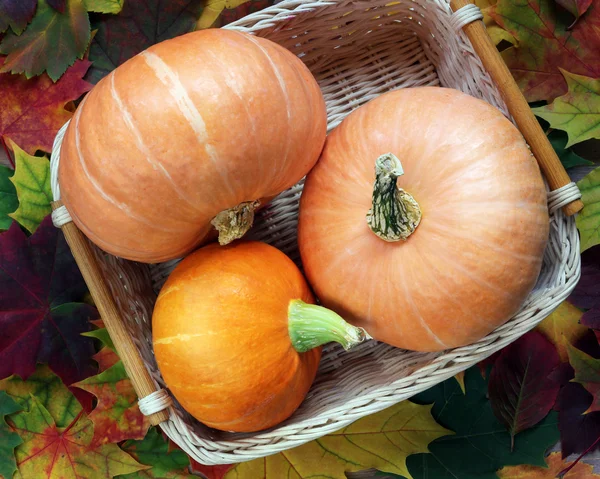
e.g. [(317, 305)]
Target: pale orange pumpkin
[(234, 338), (441, 255), (191, 131)]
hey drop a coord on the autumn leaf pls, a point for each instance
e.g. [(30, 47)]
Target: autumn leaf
[(586, 294), (49, 390), (481, 444), (588, 220), (8, 197), (34, 110), (211, 472), (554, 465), (8, 438), (460, 379), (521, 392), (569, 159), (32, 183), (496, 33), (58, 5), (383, 440), (576, 7), (49, 451), (545, 44), (562, 327), (103, 6), (117, 414), (51, 43), (107, 355), (153, 452), (578, 431), (140, 24), (587, 373), (16, 14), (213, 9), (578, 111), (40, 322)]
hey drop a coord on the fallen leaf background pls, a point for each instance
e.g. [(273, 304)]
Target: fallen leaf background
[(62, 385)]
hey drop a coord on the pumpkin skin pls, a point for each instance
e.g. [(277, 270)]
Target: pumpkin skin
[(189, 128), (477, 251), (221, 340)]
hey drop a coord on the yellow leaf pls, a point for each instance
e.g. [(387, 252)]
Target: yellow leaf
[(460, 379), (496, 32), (213, 9), (562, 327), (383, 440), (32, 182), (555, 465)]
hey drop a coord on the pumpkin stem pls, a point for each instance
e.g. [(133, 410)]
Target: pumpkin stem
[(395, 214), (311, 326), (234, 223)]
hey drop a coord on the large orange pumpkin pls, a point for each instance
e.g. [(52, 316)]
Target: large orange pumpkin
[(191, 131), (234, 338), (436, 256)]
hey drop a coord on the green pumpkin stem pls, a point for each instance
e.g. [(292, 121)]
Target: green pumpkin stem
[(311, 326), (395, 214), (234, 223)]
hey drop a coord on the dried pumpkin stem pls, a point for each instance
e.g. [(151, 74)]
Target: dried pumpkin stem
[(311, 326), (234, 223), (395, 214)]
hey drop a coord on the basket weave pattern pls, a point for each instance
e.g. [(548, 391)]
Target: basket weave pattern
[(357, 50)]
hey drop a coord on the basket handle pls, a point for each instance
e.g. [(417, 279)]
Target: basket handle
[(129, 354), (517, 106)]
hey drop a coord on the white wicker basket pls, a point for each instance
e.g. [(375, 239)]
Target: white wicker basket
[(357, 50)]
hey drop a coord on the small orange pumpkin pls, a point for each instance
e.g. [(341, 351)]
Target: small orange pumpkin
[(195, 130), (425, 220), (234, 338)]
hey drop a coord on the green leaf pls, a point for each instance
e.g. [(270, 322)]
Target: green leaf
[(578, 111), (587, 373), (481, 444), (8, 439), (101, 335), (569, 159), (153, 451), (49, 390), (32, 182), (103, 6), (588, 220), (8, 197), (52, 41)]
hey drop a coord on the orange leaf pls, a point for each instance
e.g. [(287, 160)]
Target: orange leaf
[(555, 465), (34, 110)]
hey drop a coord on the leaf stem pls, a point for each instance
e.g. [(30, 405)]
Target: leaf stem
[(574, 463)]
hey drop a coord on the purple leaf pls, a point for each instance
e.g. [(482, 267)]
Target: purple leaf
[(521, 391), (578, 431), (587, 292), (16, 14), (40, 318), (58, 5)]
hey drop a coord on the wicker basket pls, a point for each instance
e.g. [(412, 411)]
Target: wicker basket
[(357, 50)]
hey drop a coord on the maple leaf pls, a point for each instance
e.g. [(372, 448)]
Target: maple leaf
[(49, 451), (58, 5), (382, 440), (211, 472), (480, 444), (140, 24), (16, 14), (562, 327), (52, 41), (587, 291), (229, 15), (546, 44), (8, 438), (587, 373), (554, 465), (569, 159), (496, 33), (34, 110), (578, 431), (578, 111), (576, 7), (117, 414), (521, 392), (153, 451), (213, 9), (32, 183), (587, 220), (8, 197), (39, 280), (107, 355)]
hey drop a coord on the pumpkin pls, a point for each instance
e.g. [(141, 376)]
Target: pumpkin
[(192, 133), (236, 338), (425, 219)]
